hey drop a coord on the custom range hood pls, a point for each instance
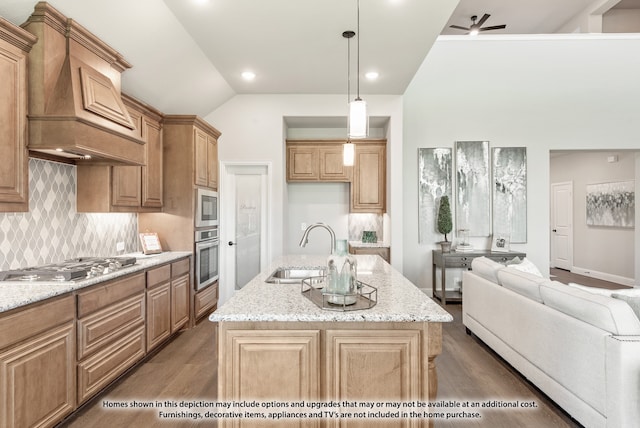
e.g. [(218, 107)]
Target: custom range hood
[(75, 104)]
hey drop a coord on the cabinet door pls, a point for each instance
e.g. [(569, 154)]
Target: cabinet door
[(205, 300), (212, 162), (332, 164), (302, 163), (201, 160), (152, 171), (125, 186), (38, 379), (158, 314), (14, 167), (179, 302), (368, 191), (379, 365), (263, 364)]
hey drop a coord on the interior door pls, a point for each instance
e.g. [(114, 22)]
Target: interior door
[(562, 225), (244, 207)]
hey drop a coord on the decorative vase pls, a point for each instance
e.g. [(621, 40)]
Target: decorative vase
[(341, 282)]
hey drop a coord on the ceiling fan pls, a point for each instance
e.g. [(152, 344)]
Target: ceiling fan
[(477, 27)]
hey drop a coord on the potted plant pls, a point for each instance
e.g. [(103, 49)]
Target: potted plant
[(445, 224)]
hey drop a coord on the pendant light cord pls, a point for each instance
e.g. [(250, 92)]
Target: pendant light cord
[(358, 62)]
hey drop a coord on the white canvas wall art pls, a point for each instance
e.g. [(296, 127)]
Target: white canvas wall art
[(434, 169), (611, 204), (473, 201), (510, 192)]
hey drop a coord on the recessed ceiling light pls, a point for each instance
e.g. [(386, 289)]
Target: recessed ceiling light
[(248, 75), (371, 75)]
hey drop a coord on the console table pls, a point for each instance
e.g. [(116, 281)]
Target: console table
[(461, 260)]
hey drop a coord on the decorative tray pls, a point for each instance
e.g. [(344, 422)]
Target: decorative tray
[(365, 298)]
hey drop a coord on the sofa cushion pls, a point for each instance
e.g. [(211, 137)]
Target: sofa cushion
[(606, 313), (486, 268), (633, 301), (523, 283), (606, 291)]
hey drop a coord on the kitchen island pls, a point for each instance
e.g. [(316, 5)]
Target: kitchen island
[(277, 348)]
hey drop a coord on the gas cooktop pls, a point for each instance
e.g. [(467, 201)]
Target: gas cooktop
[(69, 270)]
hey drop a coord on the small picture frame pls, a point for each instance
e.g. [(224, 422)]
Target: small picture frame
[(501, 243), (150, 243)]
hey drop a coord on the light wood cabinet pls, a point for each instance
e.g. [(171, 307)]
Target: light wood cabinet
[(168, 292), (104, 187), (205, 158), (180, 293), (272, 363), (316, 161), (331, 361), (111, 332), (37, 364), (15, 44), (321, 161), (368, 185), (205, 301)]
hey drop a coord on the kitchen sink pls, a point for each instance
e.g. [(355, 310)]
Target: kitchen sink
[(294, 275)]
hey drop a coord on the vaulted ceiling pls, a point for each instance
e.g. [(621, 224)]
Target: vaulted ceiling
[(187, 55)]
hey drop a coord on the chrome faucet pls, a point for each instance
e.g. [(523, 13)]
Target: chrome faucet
[(305, 235)]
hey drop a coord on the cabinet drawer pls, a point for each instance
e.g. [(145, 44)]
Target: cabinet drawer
[(103, 367), (35, 319), (179, 268), (109, 292), (460, 262), (206, 299), (104, 326), (158, 275)]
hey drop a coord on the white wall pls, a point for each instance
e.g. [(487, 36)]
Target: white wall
[(546, 92), (603, 252), (253, 130)]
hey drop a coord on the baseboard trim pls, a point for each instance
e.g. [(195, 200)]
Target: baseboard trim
[(629, 282)]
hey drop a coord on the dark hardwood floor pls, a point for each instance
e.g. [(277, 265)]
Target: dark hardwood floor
[(468, 370)]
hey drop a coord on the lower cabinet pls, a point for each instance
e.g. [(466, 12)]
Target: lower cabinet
[(37, 364), (57, 354), (205, 301), (111, 334), (333, 362)]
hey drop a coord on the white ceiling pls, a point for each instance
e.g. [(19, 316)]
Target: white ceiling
[(187, 55)]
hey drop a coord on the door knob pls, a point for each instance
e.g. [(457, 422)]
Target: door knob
[(554, 230), (231, 243)]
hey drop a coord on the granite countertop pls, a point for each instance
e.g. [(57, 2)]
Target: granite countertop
[(360, 244), (398, 300), (14, 294)]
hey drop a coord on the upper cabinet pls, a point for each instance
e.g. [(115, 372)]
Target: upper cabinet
[(192, 136), (15, 43), (316, 161), (115, 188), (321, 161), (368, 186)]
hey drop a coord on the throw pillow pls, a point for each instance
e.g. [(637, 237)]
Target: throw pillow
[(527, 266), (633, 301)]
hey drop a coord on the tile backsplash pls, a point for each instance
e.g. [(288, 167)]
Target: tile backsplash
[(358, 223), (52, 230)]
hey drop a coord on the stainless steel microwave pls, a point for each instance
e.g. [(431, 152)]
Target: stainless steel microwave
[(207, 208)]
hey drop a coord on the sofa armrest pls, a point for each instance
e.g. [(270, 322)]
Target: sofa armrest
[(623, 380)]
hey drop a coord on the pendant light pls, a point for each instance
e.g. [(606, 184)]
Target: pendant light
[(358, 118), (348, 148)]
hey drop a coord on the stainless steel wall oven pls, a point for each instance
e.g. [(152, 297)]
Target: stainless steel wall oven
[(207, 256)]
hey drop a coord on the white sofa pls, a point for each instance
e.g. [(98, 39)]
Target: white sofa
[(581, 349)]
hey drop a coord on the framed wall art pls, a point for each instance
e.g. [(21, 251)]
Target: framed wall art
[(510, 192), (611, 204), (473, 201), (434, 181)]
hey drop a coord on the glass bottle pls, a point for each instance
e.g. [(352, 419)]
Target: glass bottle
[(341, 276)]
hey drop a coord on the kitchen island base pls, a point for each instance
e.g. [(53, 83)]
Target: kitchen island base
[(355, 364)]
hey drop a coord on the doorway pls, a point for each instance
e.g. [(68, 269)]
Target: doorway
[(562, 225), (245, 198)]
